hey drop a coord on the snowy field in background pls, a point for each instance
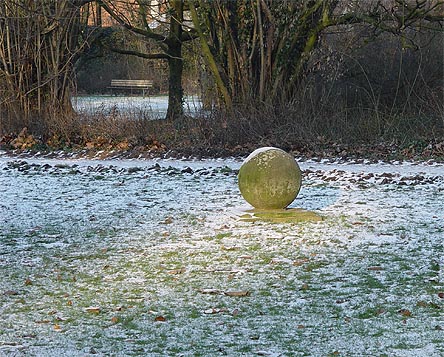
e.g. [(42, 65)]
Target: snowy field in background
[(155, 106), (149, 258)]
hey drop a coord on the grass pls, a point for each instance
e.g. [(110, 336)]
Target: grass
[(311, 289)]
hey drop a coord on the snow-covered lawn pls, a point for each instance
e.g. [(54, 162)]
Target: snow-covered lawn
[(154, 106), (149, 258)]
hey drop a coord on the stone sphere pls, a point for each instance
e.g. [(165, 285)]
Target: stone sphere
[(269, 178)]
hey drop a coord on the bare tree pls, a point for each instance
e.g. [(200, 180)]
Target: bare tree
[(261, 49), (163, 23), (38, 47)]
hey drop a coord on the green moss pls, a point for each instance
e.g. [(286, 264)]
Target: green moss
[(270, 178), (292, 215)]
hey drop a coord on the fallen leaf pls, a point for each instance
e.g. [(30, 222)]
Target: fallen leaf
[(229, 248), (237, 293), (177, 271), (160, 318), (279, 261), (405, 312), (168, 220), (213, 311), (42, 322), (10, 293), (114, 319), (57, 328), (375, 268), (93, 309), (300, 262), (28, 282), (441, 295), (210, 291), (235, 312), (245, 257), (379, 312)]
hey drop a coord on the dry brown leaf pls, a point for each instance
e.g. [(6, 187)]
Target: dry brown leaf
[(168, 220), (279, 261), (93, 310), (213, 311), (42, 322), (160, 318), (210, 291), (375, 268), (114, 319), (177, 271), (379, 312), (304, 286), (300, 262), (229, 248), (441, 295), (405, 312), (245, 257), (237, 293)]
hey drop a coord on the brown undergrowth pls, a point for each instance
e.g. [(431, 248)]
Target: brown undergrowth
[(238, 133)]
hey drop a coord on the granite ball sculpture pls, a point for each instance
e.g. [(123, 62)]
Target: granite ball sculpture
[(269, 178)]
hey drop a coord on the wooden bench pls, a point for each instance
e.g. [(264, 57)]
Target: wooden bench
[(132, 84)]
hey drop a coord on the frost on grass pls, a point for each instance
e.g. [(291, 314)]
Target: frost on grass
[(149, 258)]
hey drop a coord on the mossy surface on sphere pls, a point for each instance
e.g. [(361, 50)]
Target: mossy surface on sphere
[(269, 178)]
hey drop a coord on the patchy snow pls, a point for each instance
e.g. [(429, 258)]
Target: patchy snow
[(156, 106), (261, 150), (133, 257)]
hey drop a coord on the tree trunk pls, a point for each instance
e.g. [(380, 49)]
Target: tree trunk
[(175, 89), (175, 62)]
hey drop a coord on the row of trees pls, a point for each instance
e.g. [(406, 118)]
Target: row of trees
[(39, 44), (256, 51)]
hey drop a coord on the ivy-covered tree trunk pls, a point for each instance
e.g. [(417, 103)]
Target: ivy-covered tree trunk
[(259, 50)]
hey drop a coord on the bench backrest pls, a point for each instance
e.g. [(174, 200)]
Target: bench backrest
[(131, 83)]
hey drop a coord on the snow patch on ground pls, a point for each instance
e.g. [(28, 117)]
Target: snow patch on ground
[(145, 241)]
